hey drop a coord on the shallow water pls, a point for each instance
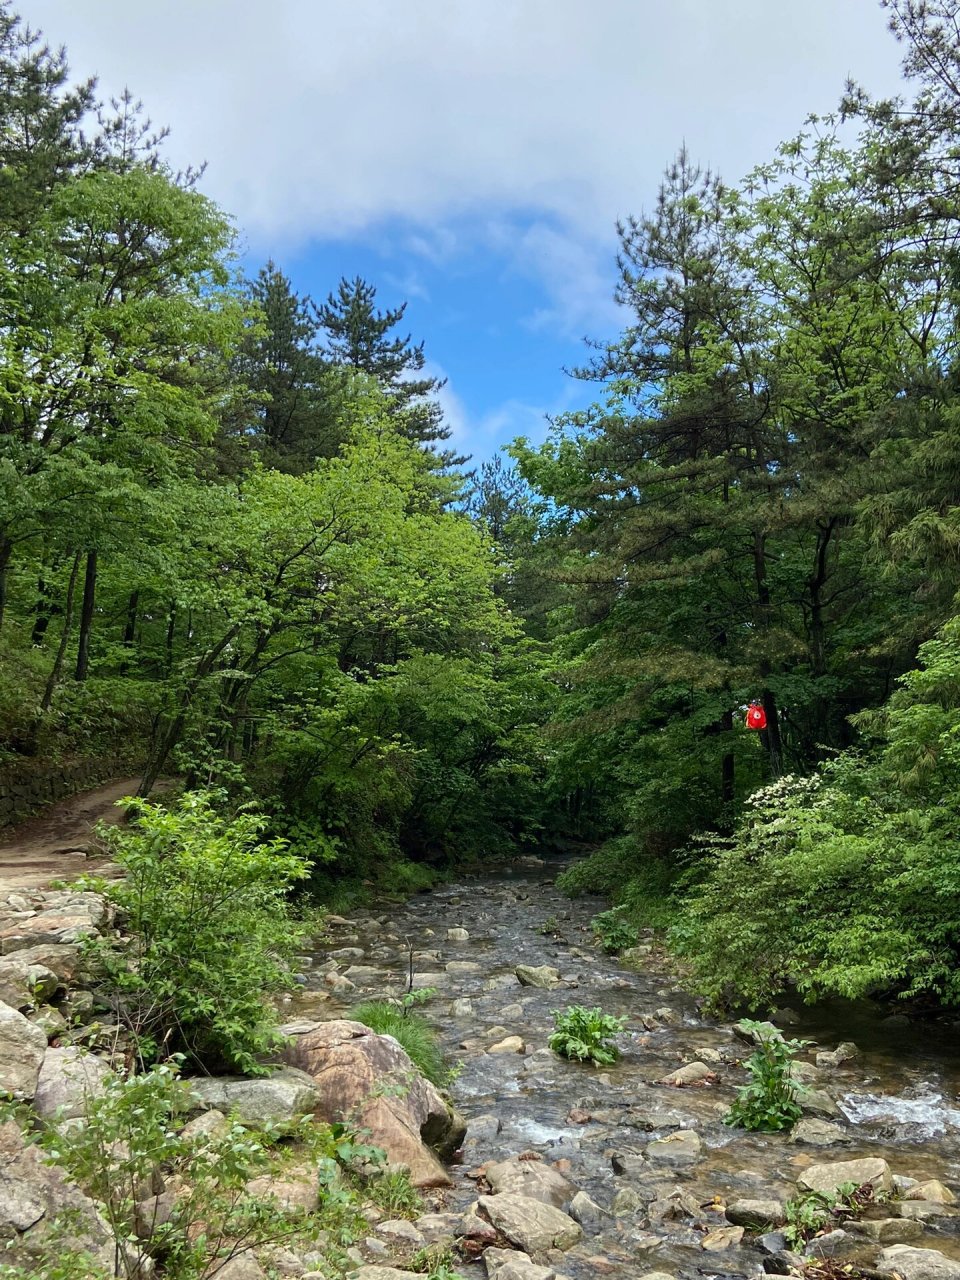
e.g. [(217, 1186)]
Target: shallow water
[(899, 1098)]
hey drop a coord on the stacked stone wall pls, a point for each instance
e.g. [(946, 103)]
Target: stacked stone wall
[(30, 785)]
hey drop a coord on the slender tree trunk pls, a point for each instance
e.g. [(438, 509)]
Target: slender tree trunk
[(171, 630), (54, 677), (86, 616), (130, 628), (727, 765), (43, 614), (6, 551)]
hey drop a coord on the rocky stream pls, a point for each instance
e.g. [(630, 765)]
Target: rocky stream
[(638, 1154)]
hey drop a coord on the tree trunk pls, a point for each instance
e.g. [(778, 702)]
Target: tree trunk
[(130, 628), (54, 677), (43, 614), (86, 616), (6, 551), (171, 629)]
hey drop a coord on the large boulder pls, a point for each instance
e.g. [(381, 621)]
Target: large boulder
[(826, 1178), (540, 975), (918, 1264), (68, 1079), (531, 1178), (286, 1095), (22, 1046), (38, 1207), (531, 1225), (23, 985), (370, 1081)]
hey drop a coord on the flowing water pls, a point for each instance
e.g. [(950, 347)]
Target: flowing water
[(899, 1098)]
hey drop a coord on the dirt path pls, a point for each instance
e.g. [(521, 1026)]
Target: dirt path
[(59, 843)]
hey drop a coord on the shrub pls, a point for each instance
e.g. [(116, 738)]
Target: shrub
[(205, 903), (769, 1101), (613, 931), (413, 1033), (584, 1034), (807, 1215)]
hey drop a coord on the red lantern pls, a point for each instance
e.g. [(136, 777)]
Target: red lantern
[(756, 716)]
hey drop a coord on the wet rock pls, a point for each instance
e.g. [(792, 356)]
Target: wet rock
[(628, 1164), (462, 966), (365, 975), (22, 1049), (784, 1263), (918, 1264), (439, 1228), (68, 1079), (457, 935), (757, 1215), (933, 1190), (772, 1242), (722, 1238), (533, 1178), (669, 1017), (483, 1128), (534, 1226), (803, 1072), (510, 1264), (287, 1094), (681, 1148), (543, 975), (626, 1201), (825, 1178), (510, 1044), (347, 953), (818, 1133), (679, 1204), (818, 1102), (351, 1066), (921, 1210), (890, 1230), (589, 1214), (338, 984), (902, 1184), (844, 1052), (830, 1245), (786, 1017), (691, 1073), (461, 1008)]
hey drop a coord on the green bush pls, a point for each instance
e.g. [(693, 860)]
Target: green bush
[(413, 1033), (613, 931), (205, 903), (584, 1034), (769, 1102)]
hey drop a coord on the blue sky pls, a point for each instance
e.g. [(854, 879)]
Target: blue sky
[(469, 156)]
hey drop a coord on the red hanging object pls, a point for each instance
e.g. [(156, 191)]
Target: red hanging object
[(756, 716)]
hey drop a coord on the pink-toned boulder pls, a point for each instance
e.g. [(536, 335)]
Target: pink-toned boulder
[(368, 1081)]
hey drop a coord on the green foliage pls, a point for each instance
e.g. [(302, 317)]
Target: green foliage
[(413, 1033), (613, 931), (205, 902), (435, 1261), (392, 1192), (769, 1102), (809, 1214), (585, 1035), (132, 1130)]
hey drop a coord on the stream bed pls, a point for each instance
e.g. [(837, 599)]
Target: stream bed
[(897, 1098)]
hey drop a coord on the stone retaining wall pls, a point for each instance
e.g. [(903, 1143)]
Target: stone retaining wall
[(30, 785)]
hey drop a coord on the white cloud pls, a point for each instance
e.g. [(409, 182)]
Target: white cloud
[(325, 117)]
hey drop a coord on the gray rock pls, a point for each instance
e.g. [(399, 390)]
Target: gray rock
[(68, 1080), (845, 1052), (399, 1231), (825, 1178), (457, 935), (755, 1032), (22, 1048), (510, 1264), (543, 975), (921, 1210), (830, 1245), (23, 985), (772, 1242), (628, 1164), (626, 1201), (918, 1264), (818, 1133), (757, 1215), (818, 1102), (287, 1094), (243, 1267), (533, 1178), (462, 1007), (534, 1226), (890, 1230), (722, 1238), (589, 1214), (690, 1073), (933, 1189), (677, 1149)]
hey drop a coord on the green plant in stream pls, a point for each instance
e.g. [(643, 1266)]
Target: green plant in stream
[(809, 1214), (769, 1102), (584, 1034), (613, 931), (413, 1033), (435, 1262)]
